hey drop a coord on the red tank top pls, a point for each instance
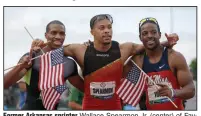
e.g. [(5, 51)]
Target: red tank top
[(100, 88), (102, 75), (160, 73)]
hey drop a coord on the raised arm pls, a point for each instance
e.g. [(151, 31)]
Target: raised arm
[(69, 49), (135, 49), (171, 41)]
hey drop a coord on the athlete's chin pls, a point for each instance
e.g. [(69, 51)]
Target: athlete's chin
[(58, 44), (55, 46), (151, 47), (107, 43)]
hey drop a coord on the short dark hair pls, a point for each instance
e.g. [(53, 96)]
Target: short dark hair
[(100, 17), (147, 20), (54, 22)]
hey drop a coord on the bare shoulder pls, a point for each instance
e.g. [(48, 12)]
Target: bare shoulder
[(138, 59), (126, 45), (133, 48), (176, 58), (175, 54), (74, 49), (74, 46)]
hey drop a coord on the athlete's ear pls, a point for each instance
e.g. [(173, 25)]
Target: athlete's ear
[(92, 32), (46, 35), (140, 37), (159, 35)]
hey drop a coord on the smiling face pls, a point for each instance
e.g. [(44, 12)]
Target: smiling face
[(55, 35), (150, 35)]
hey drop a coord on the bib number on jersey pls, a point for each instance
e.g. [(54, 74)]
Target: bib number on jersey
[(102, 90), (154, 96)]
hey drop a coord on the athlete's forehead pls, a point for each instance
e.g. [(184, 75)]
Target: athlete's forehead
[(149, 27), (103, 22), (100, 17)]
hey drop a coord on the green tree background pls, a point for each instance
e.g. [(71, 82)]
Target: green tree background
[(193, 67)]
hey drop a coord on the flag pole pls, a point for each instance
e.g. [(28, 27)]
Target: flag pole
[(155, 85), (32, 37), (30, 59), (21, 63)]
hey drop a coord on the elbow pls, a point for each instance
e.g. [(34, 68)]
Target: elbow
[(192, 92), (188, 91)]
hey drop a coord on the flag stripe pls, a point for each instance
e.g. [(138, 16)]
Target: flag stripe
[(133, 91), (55, 101), (51, 96), (48, 97), (45, 94), (136, 92), (63, 80), (128, 90), (56, 78), (51, 100), (51, 82), (122, 85), (54, 68), (130, 93), (60, 80), (51, 69), (51, 76), (49, 72), (124, 89), (138, 97), (59, 75)]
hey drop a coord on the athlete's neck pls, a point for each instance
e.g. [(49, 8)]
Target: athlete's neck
[(102, 47), (156, 53), (47, 49)]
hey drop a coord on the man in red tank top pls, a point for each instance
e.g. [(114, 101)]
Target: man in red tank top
[(166, 67)]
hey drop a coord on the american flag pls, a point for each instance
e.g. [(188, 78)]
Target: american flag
[(51, 96), (132, 86), (51, 69)]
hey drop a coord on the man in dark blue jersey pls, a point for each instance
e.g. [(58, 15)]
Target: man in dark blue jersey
[(166, 67)]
